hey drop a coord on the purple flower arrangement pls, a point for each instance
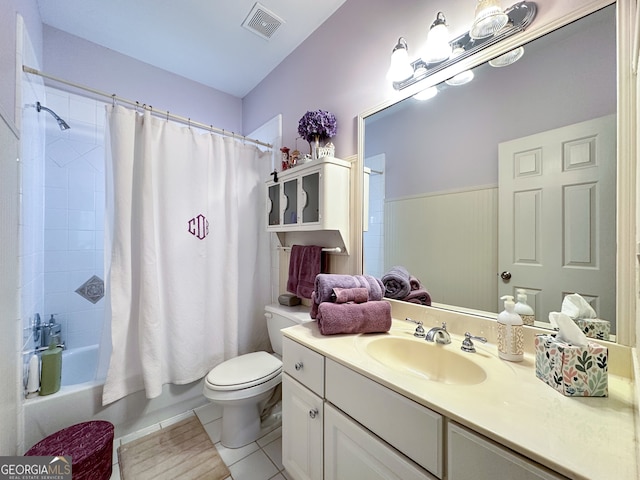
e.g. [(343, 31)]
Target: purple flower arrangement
[(317, 123)]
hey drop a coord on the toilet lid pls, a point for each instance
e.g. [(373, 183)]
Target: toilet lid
[(244, 371)]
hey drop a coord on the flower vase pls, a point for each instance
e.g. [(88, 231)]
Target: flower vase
[(314, 147)]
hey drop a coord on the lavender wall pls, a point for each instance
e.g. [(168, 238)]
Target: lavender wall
[(341, 67), (72, 58)]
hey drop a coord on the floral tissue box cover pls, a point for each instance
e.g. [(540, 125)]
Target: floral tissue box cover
[(594, 327), (572, 370)]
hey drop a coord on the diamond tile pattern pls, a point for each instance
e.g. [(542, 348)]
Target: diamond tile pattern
[(92, 289)]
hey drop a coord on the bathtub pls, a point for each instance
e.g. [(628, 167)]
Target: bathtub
[(79, 365), (80, 399)]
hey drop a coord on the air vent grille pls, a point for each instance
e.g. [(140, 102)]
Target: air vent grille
[(262, 22)]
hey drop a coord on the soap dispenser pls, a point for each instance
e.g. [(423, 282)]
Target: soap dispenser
[(523, 309), (510, 332)]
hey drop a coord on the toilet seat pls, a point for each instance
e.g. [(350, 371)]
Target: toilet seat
[(244, 371)]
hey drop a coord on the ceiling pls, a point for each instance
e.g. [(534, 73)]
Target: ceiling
[(202, 40)]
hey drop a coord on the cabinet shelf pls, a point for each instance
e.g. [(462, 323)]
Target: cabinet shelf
[(313, 198)]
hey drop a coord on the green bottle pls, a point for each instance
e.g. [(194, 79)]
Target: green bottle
[(51, 370)]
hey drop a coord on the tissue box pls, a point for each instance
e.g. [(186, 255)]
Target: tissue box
[(594, 327), (572, 370)]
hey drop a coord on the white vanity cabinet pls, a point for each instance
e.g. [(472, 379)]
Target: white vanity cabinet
[(473, 456), (312, 196), (320, 441), (302, 411)]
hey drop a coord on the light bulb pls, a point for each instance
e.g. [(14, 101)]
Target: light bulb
[(437, 48), (489, 19), (400, 68)]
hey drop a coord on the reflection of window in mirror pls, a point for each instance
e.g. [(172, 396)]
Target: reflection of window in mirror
[(438, 202)]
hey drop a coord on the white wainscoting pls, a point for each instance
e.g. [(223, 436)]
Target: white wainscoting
[(449, 240)]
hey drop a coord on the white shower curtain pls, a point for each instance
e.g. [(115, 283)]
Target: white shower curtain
[(172, 228)]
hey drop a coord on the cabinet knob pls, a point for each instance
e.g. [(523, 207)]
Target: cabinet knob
[(313, 413), (298, 366)]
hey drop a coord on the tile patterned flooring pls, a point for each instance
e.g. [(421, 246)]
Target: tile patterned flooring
[(260, 460)]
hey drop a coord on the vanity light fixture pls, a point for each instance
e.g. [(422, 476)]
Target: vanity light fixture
[(438, 48), (404, 73), (508, 58), (426, 94), (489, 19), (462, 77), (400, 69)]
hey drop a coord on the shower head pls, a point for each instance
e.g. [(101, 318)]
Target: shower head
[(61, 123)]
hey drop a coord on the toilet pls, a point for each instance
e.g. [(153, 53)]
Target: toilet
[(243, 385)]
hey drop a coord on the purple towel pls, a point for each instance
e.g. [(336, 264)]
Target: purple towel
[(353, 295), (304, 264), (419, 296), (414, 282), (397, 283), (368, 317), (326, 282)]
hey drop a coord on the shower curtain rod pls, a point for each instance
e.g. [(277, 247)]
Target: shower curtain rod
[(161, 113)]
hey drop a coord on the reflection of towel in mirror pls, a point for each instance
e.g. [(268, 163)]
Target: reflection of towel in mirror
[(354, 295), (419, 296), (304, 264), (368, 317), (397, 282), (326, 282)]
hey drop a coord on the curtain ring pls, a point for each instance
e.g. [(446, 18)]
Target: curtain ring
[(189, 123), (167, 115), (137, 106), (113, 99)]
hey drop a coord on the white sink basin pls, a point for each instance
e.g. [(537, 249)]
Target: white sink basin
[(430, 361)]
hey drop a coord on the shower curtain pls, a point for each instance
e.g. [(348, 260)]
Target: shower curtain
[(175, 199)]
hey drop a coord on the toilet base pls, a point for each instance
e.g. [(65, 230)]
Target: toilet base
[(241, 423)]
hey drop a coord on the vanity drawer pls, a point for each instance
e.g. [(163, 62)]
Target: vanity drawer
[(411, 428), (303, 364)]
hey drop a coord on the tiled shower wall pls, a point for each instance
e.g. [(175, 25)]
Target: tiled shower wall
[(67, 229), (74, 203)]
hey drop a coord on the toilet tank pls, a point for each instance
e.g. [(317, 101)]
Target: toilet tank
[(279, 317)]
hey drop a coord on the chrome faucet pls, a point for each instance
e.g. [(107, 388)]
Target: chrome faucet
[(419, 329), (439, 335), (467, 344)]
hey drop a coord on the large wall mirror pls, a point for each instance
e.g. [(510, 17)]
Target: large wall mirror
[(505, 182)]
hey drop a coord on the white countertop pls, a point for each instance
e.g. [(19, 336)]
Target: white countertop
[(581, 438)]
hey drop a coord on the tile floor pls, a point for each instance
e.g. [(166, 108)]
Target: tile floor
[(261, 460)]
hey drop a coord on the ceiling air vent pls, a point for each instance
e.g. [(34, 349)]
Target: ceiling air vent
[(262, 22)]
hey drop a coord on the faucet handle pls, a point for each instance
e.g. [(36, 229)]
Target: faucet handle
[(467, 344), (419, 329)]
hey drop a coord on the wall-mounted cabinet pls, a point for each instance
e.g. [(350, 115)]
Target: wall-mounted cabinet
[(311, 197)]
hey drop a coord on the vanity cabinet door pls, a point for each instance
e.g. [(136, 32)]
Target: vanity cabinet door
[(302, 417), (473, 456), (351, 452)]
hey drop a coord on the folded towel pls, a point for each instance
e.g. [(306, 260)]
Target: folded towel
[(368, 317), (419, 296), (414, 283), (304, 264), (397, 283), (326, 282), (354, 295)]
